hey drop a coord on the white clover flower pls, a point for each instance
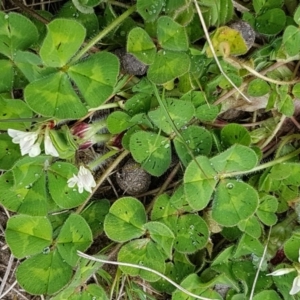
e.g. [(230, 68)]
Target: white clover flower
[(49, 147), (296, 283), (30, 143), (84, 180), (27, 141)]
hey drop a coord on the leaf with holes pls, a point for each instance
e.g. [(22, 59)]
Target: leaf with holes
[(125, 220), (63, 39), (149, 9), (191, 234), (75, 234), (24, 187), (233, 134), (9, 152), (16, 33), (28, 235), (152, 151), (198, 139), (14, 109)]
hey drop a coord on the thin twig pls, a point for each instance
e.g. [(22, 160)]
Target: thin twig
[(4, 280), (214, 53), (81, 254)]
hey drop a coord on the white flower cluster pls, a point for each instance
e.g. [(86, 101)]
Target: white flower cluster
[(30, 143), (84, 180)]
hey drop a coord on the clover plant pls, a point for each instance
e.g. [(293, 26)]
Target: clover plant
[(232, 217)]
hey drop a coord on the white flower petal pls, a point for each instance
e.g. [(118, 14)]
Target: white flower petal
[(49, 147), (26, 140), (35, 150), (280, 272), (72, 181), (84, 180), (296, 286)]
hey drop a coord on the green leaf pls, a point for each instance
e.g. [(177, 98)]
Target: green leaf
[(267, 295), (6, 75), (292, 246), (286, 106), (125, 220), (236, 158), (74, 235), (152, 151), (198, 139), (96, 77), (27, 235), (271, 22), (181, 112), (200, 180), (95, 214), (141, 252), (24, 187), (63, 40), (234, 201), (162, 235), (141, 45), (233, 134), (297, 15), (58, 175), (31, 65), (89, 21), (167, 66), (291, 40), (54, 96), (177, 270), (149, 9), (9, 152), (16, 33), (118, 121), (251, 226), (258, 87), (191, 234), (171, 35), (14, 109), (266, 211), (39, 274), (296, 90), (207, 112)]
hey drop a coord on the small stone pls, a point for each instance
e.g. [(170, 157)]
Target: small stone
[(246, 31), (132, 179), (130, 64)]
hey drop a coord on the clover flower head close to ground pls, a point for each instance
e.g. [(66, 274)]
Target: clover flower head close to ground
[(84, 180), (30, 142), (27, 141), (296, 282)]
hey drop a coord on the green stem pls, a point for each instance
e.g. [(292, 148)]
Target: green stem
[(264, 166), (94, 164), (103, 33)]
